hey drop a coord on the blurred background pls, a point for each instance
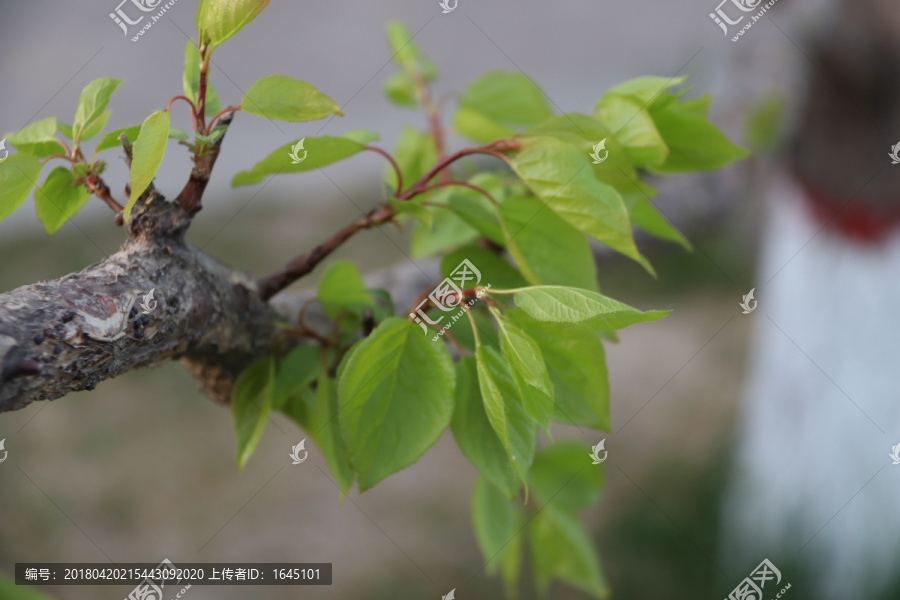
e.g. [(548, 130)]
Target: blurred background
[(143, 467)]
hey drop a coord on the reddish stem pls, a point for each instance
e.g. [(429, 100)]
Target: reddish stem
[(393, 164)]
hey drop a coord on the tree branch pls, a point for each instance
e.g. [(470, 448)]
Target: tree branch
[(303, 264), (72, 333), (190, 197)]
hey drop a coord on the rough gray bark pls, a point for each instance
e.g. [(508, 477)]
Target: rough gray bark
[(69, 334)]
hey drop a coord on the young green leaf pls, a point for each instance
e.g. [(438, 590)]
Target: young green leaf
[(634, 129), (474, 208), (414, 210), (496, 102), (563, 477), (191, 81), (572, 305), (149, 149), (400, 88), (547, 249), (66, 130), (95, 127), (516, 430), (18, 175), (494, 268), (407, 53), (295, 374), (576, 361), (93, 101), (560, 548), (37, 139), (57, 199), (415, 153), (342, 288), (218, 20), (498, 528), (319, 152), (644, 215), (694, 143), (562, 177), (111, 139), (250, 404), (287, 99), (526, 363), (396, 397), (447, 231), (317, 413), (474, 434)]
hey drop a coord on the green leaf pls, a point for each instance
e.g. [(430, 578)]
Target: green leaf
[(149, 149), (478, 127), (37, 139), (94, 99), (413, 209), (515, 429), (362, 136), (66, 130), (448, 230), (644, 215), (547, 249), (18, 174), (584, 132), (562, 177), (287, 99), (560, 548), (563, 477), (475, 209), (415, 154), (400, 88), (407, 53), (320, 152), (58, 198), (496, 101), (95, 127), (475, 435), (396, 397), (342, 289), (494, 268), (111, 139), (218, 20), (647, 89), (576, 361), (317, 413), (634, 129), (694, 143), (191, 81), (295, 374), (526, 363), (250, 404), (572, 305), (499, 530)]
